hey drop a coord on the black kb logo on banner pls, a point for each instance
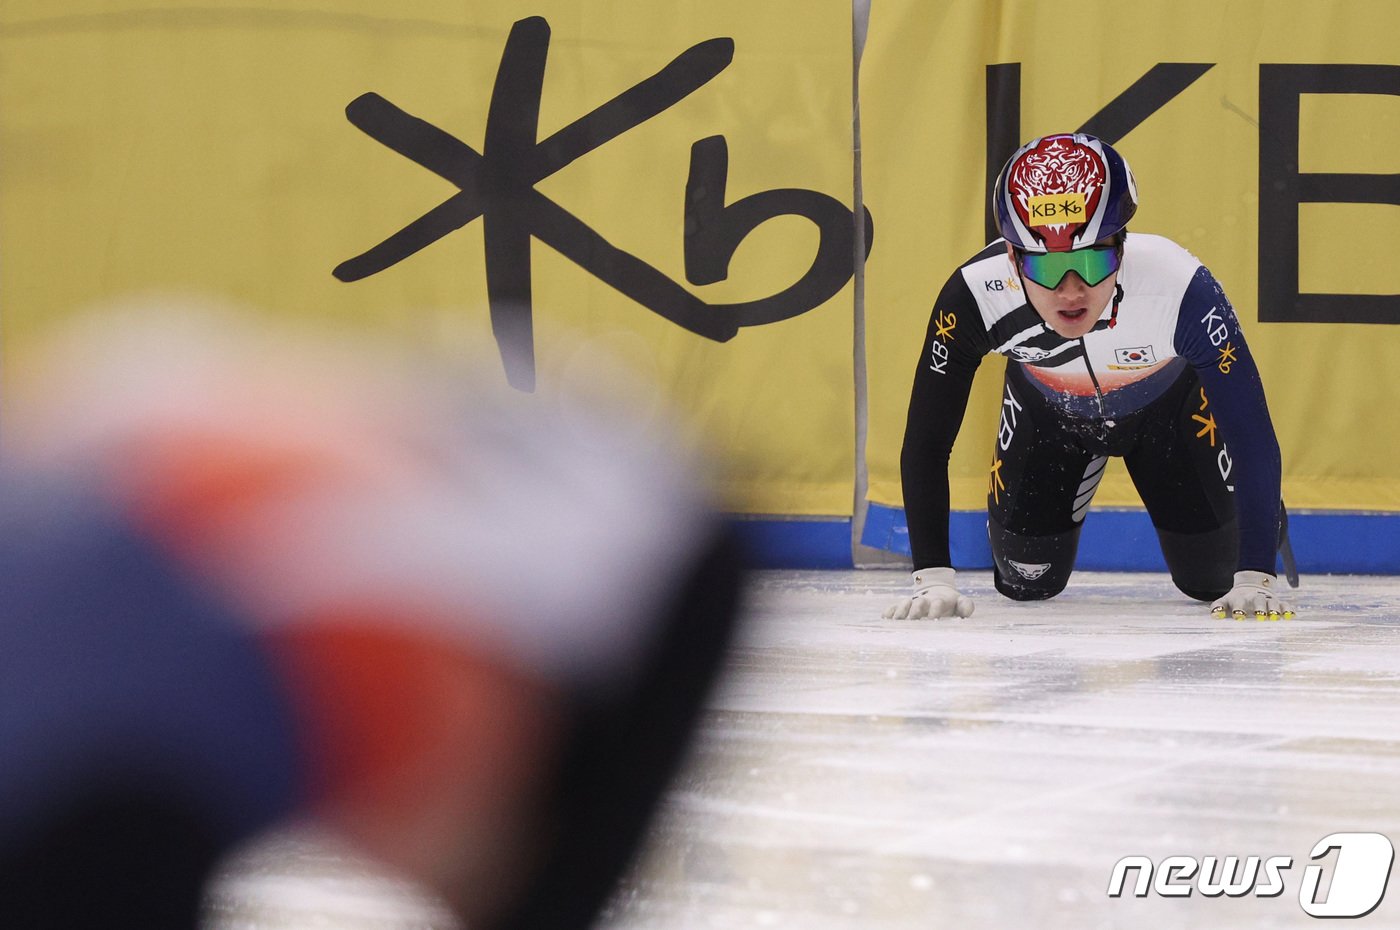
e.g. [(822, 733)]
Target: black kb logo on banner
[(498, 185), (1283, 187)]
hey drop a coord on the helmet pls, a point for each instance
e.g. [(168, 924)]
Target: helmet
[(1063, 192)]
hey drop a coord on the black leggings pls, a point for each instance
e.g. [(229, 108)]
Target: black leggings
[(1047, 465)]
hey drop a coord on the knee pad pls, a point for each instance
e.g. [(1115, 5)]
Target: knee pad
[(1031, 568), (1202, 595), (1202, 565), (1025, 592)]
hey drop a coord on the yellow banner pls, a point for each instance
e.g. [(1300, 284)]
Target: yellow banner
[(1265, 138), (544, 184)]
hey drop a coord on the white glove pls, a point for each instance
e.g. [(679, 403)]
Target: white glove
[(1254, 594), (936, 596)]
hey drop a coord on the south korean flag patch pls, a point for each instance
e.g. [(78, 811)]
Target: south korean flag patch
[(1139, 355)]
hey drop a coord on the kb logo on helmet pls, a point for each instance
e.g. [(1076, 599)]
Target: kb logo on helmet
[(1056, 208)]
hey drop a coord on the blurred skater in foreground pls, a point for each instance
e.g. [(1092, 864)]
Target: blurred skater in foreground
[(248, 580)]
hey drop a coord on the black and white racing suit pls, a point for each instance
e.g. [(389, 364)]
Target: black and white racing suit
[(1163, 382)]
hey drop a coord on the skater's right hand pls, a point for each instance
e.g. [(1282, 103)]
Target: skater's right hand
[(936, 595)]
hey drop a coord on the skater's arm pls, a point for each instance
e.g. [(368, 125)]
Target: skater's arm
[(1208, 335)]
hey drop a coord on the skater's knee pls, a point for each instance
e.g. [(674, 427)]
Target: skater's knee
[(1041, 589), (1031, 568), (1200, 589), (1202, 565)]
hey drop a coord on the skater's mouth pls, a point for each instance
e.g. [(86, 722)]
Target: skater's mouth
[(1073, 315)]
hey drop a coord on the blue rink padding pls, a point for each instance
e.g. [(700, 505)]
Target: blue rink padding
[(1122, 539), (1114, 539), (795, 542)]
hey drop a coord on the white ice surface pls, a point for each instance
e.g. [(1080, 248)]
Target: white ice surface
[(854, 773)]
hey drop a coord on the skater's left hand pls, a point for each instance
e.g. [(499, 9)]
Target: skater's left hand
[(1254, 594)]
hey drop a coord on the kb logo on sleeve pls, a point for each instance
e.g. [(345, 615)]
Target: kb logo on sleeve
[(943, 325)]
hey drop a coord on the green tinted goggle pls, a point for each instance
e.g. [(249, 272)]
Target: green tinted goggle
[(1092, 264)]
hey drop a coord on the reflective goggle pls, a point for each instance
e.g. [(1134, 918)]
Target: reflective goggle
[(1092, 264)]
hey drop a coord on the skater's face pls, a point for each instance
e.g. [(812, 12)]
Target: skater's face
[(1072, 306)]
